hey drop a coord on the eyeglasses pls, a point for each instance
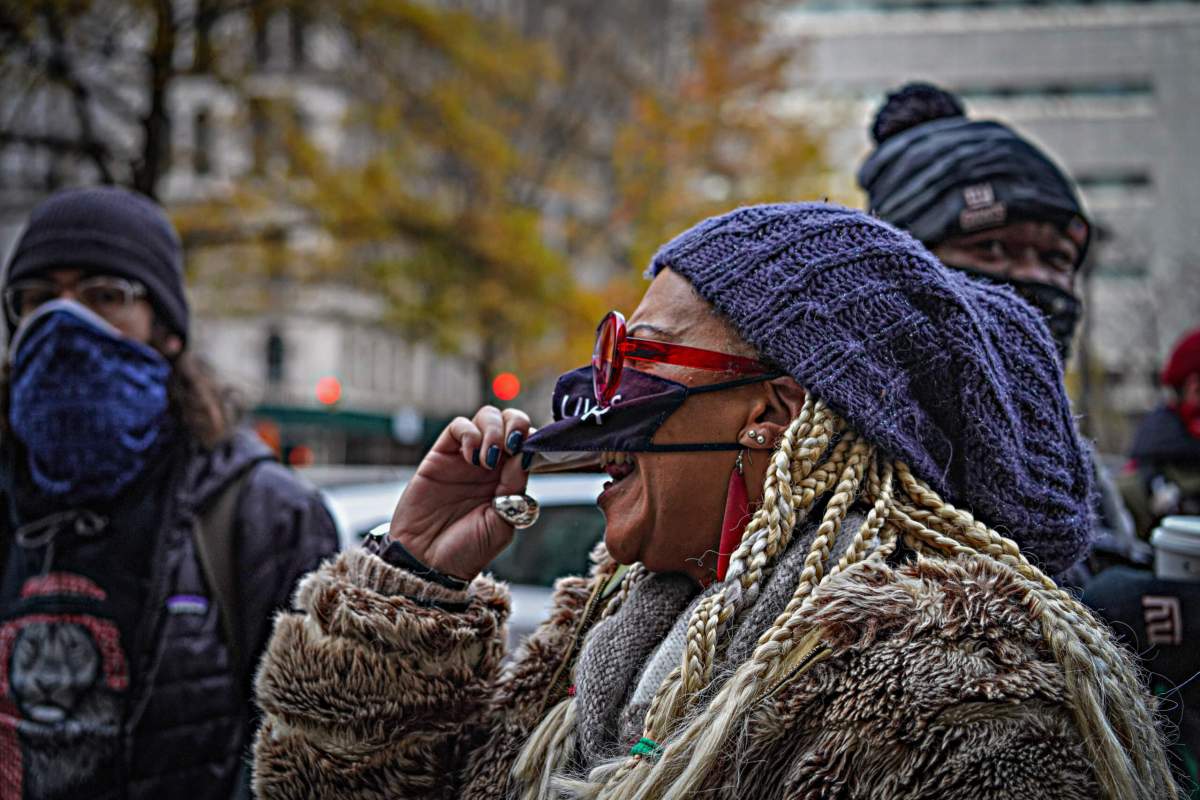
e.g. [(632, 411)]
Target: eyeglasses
[(105, 294), (613, 347)]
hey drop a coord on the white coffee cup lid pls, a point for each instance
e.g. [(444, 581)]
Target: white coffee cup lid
[(1179, 535)]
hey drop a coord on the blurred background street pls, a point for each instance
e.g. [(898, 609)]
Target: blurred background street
[(379, 198)]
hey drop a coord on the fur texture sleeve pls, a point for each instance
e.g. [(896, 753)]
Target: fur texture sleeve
[(370, 688)]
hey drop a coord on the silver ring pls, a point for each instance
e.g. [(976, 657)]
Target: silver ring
[(519, 510)]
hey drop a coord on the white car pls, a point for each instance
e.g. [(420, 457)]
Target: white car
[(360, 498)]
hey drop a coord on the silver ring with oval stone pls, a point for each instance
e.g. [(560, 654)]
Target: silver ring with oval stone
[(519, 510)]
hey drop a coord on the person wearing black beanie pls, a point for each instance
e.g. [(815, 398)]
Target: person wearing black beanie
[(144, 542), (983, 198), (112, 231), (990, 203)]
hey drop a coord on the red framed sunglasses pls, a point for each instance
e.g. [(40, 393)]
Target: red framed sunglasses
[(614, 347)]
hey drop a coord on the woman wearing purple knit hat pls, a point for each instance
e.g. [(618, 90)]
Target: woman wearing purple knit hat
[(841, 473)]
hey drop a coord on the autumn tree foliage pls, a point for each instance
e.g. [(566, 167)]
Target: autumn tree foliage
[(438, 206), (87, 83), (501, 177), (713, 139), (530, 174)]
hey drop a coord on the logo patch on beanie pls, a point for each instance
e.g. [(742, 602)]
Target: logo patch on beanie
[(982, 210)]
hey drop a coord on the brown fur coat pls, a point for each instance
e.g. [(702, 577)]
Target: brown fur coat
[(936, 685)]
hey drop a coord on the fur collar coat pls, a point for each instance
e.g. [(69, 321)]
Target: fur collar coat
[(926, 678)]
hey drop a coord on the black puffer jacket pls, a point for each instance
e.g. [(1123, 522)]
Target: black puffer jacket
[(187, 713)]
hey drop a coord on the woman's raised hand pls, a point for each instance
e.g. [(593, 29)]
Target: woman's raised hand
[(445, 516)]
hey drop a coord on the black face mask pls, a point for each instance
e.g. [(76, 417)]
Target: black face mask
[(1061, 309), (642, 403)]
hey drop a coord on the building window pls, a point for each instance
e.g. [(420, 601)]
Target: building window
[(299, 31), (1104, 90), (262, 37), (275, 358), (260, 134), (202, 142), (1120, 180), (273, 122), (299, 131)]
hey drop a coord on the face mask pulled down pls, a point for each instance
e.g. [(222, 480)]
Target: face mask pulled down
[(582, 429), (89, 404)]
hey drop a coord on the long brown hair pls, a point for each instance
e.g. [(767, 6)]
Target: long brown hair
[(203, 406)]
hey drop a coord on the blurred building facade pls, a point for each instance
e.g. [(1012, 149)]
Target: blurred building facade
[(321, 374), (1108, 87)]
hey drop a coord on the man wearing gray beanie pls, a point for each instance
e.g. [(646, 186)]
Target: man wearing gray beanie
[(144, 542)]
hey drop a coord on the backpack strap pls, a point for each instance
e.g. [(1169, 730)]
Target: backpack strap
[(214, 537)]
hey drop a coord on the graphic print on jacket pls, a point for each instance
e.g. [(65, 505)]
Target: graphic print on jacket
[(63, 678)]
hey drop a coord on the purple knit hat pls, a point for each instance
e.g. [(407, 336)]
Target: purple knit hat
[(955, 377)]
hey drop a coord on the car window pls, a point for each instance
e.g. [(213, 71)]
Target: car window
[(557, 545)]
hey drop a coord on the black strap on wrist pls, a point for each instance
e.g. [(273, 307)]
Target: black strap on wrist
[(390, 550)]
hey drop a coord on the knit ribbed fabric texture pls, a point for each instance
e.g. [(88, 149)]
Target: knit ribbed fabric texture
[(955, 377), (615, 649), (109, 230), (628, 655), (927, 179)]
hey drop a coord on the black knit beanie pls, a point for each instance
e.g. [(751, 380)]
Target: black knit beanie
[(108, 230), (936, 173)]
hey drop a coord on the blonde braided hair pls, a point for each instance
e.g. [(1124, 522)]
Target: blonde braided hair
[(820, 457)]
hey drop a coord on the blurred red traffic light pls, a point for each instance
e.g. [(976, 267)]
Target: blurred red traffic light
[(506, 386), (329, 390)]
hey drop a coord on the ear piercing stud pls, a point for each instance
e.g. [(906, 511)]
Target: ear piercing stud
[(756, 436)]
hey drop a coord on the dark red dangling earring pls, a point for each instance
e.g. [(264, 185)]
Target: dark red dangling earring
[(737, 516)]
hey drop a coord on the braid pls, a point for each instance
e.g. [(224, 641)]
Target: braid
[(880, 487), (633, 576), (795, 458), (767, 534), (765, 537), (835, 511), (977, 532), (547, 751), (1104, 688), (889, 540)]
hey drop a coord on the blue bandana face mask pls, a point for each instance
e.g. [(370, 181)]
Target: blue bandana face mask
[(89, 404)]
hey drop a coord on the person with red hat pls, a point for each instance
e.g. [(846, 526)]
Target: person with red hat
[(1163, 474)]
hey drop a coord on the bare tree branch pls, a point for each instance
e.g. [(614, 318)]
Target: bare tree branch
[(58, 144), (63, 70), (156, 126)]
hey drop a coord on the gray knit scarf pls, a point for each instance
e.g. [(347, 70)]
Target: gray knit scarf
[(626, 656)]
